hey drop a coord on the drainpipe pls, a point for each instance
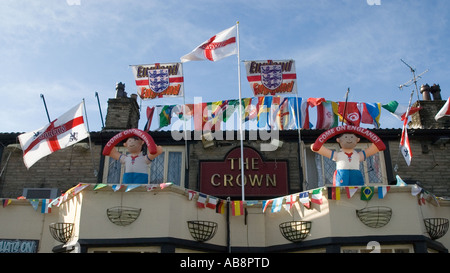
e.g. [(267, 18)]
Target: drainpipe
[(228, 226)]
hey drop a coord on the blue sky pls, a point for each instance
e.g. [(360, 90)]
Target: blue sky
[(70, 49)]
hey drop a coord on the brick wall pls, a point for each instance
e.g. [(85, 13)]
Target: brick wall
[(61, 169), (430, 165)]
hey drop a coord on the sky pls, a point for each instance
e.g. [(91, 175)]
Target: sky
[(69, 49)]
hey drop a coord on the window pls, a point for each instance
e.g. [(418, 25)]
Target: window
[(167, 167), (381, 249), (319, 170)]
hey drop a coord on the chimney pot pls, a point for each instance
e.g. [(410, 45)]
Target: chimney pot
[(425, 91), (120, 90), (436, 92)]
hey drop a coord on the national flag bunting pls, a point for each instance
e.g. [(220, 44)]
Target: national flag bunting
[(62, 132), (367, 193), (212, 202), (277, 203), (304, 199), (201, 201), (265, 204), (45, 206), (220, 207), (370, 113), (399, 110), (350, 191), (237, 208), (334, 193), (352, 116), (215, 48), (316, 196), (382, 191), (290, 201)]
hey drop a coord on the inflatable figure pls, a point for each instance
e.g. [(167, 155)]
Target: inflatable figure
[(347, 159), (136, 163)]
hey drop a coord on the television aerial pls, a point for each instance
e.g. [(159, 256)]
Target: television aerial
[(413, 80)]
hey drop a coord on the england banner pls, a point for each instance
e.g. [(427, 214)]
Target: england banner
[(270, 78), (159, 80), (221, 45), (64, 131)]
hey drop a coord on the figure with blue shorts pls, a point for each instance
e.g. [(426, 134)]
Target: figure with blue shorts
[(136, 163), (347, 160)]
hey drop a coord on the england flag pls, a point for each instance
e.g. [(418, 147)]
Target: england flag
[(64, 131), (215, 48)]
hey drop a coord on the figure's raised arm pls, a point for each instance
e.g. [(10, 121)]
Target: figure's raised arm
[(323, 151)]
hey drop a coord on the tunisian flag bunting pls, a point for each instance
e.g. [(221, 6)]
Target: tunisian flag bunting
[(215, 48), (64, 131)]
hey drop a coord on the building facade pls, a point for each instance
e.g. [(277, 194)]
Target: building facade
[(193, 179)]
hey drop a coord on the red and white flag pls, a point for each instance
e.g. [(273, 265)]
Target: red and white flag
[(64, 131), (215, 48), (445, 110), (272, 77), (158, 80), (405, 148)]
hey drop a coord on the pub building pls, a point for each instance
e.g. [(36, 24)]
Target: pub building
[(195, 202)]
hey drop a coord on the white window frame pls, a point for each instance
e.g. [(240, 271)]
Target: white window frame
[(382, 249), (166, 149)]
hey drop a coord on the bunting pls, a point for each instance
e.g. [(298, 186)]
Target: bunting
[(367, 193), (316, 196), (237, 208), (276, 113), (334, 193)]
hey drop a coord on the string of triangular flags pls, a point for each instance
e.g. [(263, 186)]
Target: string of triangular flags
[(306, 198), (280, 112), (47, 204)]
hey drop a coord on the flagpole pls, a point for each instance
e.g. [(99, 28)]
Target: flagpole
[(46, 110), (240, 113), (100, 109), (184, 124), (345, 106)]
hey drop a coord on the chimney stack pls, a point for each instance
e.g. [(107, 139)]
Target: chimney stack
[(424, 118), (123, 112)]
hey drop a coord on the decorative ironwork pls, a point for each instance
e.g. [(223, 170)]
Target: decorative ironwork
[(436, 227), (202, 230), (295, 231), (375, 217), (123, 216), (62, 232)]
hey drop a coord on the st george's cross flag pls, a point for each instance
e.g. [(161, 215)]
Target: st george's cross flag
[(445, 110), (405, 147), (62, 132), (215, 48)]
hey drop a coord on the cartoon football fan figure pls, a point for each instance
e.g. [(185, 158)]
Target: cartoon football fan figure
[(136, 163), (347, 159)]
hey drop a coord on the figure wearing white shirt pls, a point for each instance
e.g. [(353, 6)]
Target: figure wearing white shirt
[(136, 163), (347, 160)]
